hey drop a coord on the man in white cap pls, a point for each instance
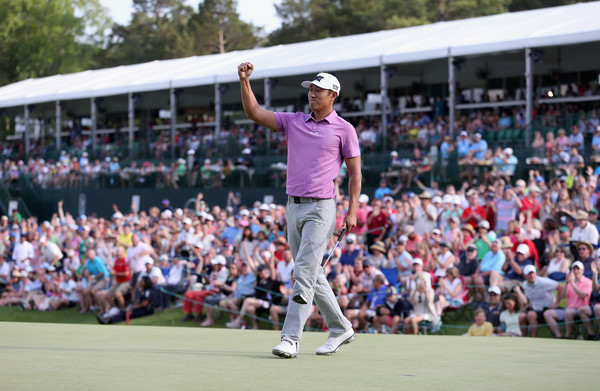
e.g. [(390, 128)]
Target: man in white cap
[(479, 147), (424, 213), (463, 144), (578, 292), (513, 267), (536, 297), (318, 144), (585, 231), (507, 164)]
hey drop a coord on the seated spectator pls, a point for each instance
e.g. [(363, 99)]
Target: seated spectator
[(584, 231), (376, 298), (467, 267), (444, 260), (244, 288), (378, 258), (193, 300), (421, 299), (513, 267), (418, 276), (578, 291), (558, 266), (175, 280), (509, 317), (586, 257), (490, 271), (15, 290), (142, 306), (367, 277), (493, 308), (225, 290), (586, 313), (265, 287), (451, 289), (480, 328), (391, 312), (535, 298), (98, 273)]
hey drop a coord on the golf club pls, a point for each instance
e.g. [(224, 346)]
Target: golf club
[(300, 299)]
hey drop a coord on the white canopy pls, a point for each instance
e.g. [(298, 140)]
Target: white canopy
[(566, 25)]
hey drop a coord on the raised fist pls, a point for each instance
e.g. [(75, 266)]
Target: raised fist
[(245, 70)]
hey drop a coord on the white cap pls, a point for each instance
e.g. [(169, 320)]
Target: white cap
[(528, 269), (117, 215), (464, 133), (393, 153), (417, 261), (456, 199), (437, 199), (494, 289), (179, 212), (363, 198), (326, 81), (351, 238), (244, 212), (508, 151), (523, 249), (218, 260), (191, 152), (403, 238), (484, 224), (149, 261), (263, 207), (447, 199), (267, 254), (246, 151), (388, 198), (577, 264), (187, 220), (164, 257)]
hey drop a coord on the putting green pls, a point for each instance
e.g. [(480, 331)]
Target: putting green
[(90, 357)]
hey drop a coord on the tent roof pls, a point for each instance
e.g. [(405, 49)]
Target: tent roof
[(571, 24)]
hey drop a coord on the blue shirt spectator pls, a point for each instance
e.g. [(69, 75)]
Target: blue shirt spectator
[(479, 147), (96, 267), (382, 190), (245, 284), (492, 262), (463, 145)]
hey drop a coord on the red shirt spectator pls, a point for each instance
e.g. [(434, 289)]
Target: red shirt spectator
[(521, 239), (120, 267), (530, 202)]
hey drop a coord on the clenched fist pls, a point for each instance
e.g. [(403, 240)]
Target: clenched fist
[(245, 70)]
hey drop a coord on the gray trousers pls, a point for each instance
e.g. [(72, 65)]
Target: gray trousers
[(310, 226)]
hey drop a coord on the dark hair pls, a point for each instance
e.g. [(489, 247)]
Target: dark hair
[(513, 297), (147, 282)]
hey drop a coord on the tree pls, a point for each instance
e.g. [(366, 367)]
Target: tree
[(218, 28), (42, 38)]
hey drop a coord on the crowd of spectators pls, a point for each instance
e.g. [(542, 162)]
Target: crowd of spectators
[(513, 250)]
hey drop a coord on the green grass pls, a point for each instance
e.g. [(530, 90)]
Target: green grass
[(95, 357)]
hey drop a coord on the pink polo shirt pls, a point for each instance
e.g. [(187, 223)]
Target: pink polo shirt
[(585, 285), (316, 151)]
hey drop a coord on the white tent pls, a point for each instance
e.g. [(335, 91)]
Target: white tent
[(549, 27)]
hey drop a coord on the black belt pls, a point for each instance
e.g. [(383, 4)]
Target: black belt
[(303, 200)]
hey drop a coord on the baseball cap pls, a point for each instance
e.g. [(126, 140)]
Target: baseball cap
[(447, 199), (464, 133), (521, 182), (494, 289), (523, 249), (164, 257), (149, 261), (367, 262), (577, 264), (351, 238), (528, 269), (437, 199), (484, 224), (324, 80), (187, 220), (417, 261), (218, 260), (391, 290), (363, 198)]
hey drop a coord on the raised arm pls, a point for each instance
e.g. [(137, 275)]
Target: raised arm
[(251, 107), (354, 187)]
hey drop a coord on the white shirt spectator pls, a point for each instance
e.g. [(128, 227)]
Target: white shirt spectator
[(154, 272), (69, 286), (135, 260), (587, 234), (175, 274), (284, 271), (23, 254), (50, 252), (422, 223)]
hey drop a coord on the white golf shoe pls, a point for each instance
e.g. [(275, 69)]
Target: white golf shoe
[(333, 343), (287, 349)]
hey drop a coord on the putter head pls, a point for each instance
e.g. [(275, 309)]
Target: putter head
[(300, 299)]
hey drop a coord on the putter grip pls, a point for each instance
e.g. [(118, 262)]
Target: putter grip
[(342, 234)]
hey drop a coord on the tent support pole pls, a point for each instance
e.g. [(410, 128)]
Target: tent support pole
[(268, 107), (528, 94), (26, 132), (94, 125), (218, 120), (384, 98), (131, 116), (58, 124), (173, 100), (451, 95)]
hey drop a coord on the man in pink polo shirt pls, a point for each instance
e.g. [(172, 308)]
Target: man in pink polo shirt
[(318, 144)]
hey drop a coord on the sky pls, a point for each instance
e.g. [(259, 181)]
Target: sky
[(261, 13)]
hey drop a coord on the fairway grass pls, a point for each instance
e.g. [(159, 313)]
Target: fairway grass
[(94, 357)]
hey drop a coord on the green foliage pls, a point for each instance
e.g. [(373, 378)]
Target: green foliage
[(41, 38)]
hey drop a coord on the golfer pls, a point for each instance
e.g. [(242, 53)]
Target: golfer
[(318, 144)]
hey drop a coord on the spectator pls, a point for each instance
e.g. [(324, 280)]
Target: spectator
[(243, 289), (558, 266), (513, 267), (424, 214), (193, 300), (393, 309), (481, 327), (493, 307), (142, 306), (509, 317), (586, 313), (225, 290), (536, 297), (585, 231), (423, 309), (401, 259), (578, 291)]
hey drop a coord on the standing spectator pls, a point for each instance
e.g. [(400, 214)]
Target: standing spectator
[(474, 213), (424, 214), (576, 139), (377, 223), (22, 254), (508, 208), (538, 296), (530, 204)]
